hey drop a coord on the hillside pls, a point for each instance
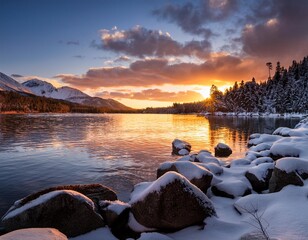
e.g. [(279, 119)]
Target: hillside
[(45, 89)]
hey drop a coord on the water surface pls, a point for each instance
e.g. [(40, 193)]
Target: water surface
[(117, 150)]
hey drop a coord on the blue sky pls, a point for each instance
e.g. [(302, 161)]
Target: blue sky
[(149, 53)]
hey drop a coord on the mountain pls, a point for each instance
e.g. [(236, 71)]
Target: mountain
[(43, 88), (9, 84)]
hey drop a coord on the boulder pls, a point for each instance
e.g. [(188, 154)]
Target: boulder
[(71, 212), (231, 189), (206, 157), (287, 171), (116, 215), (170, 203), (259, 176), (34, 234), (197, 175), (96, 192), (222, 150), (180, 147)]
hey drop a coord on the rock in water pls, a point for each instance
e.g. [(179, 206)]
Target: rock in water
[(69, 211), (180, 147), (34, 234), (222, 150), (197, 175), (171, 203)]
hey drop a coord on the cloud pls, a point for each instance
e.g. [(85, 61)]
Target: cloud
[(220, 70), (281, 28), (122, 59), (16, 75), (141, 42), (79, 56), (155, 95), (72, 43), (193, 18)]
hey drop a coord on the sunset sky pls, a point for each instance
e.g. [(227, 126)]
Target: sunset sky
[(149, 53)]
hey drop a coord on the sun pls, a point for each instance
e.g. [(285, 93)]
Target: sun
[(204, 91)]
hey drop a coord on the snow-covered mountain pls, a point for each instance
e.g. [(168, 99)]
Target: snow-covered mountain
[(43, 88), (9, 84)]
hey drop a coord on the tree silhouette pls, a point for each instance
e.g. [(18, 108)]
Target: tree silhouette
[(270, 67)]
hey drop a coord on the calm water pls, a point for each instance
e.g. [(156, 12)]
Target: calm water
[(120, 150)]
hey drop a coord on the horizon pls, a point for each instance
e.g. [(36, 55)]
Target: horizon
[(150, 54)]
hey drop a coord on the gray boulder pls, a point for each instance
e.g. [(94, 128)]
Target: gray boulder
[(231, 189), (281, 178), (170, 203), (68, 211)]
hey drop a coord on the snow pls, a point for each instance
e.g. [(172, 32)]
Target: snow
[(189, 170), (154, 236), (263, 138), (43, 198), (262, 160), (9, 84), (34, 234), (239, 162), (206, 157), (115, 206), (291, 146), (183, 152), (298, 132), (179, 144), (291, 164), (260, 147), (233, 187), (260, 171), (98, 234)]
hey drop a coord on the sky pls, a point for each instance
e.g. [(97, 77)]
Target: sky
[(150, 53)]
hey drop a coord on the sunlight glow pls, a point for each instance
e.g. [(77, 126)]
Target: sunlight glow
[(204, 91)]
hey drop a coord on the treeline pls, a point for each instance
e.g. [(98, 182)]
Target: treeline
[(28, 103), (286, 91)]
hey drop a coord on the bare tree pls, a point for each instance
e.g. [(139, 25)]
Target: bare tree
[(256, 218)]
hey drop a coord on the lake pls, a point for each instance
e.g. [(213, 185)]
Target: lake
[(117, 150)]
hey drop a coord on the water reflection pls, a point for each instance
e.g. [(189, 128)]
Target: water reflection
[(42, 150)]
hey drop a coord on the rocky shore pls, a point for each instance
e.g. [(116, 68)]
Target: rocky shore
[(198, 196)]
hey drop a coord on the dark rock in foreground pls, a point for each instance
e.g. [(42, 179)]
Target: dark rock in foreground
[(259, 176), (68, 211), (180, 147), (170, 204), (222, 150), (96, 192)]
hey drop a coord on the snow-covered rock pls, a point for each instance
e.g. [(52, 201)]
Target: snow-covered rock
[(288, 171), (96, 192), (180, 147), (261, 160), (116, 214), (212, 167), (289, 132), (290, 147), (69, 211), (239, 162), (34, 234), (197, 175), (170, 203), (222, 150), (259, 176), (231, 189), (206, 157), (256, 139)]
